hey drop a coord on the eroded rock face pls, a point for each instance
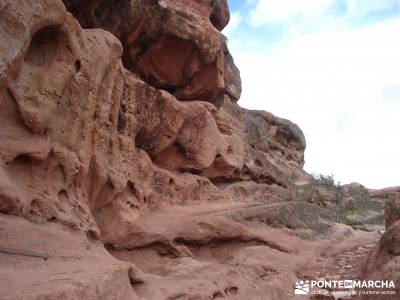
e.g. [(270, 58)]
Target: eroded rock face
[(174, 45), (83, 138), (95, 138), (44, 261), (128, 171), (392, 211), (384, 261), (387, 193)]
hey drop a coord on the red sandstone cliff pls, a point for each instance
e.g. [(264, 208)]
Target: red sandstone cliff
[(123, 152)]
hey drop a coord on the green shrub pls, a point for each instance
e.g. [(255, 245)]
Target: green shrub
[(326, 181)]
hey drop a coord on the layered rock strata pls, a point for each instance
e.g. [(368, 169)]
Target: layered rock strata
[(86, 141), (117, 112)]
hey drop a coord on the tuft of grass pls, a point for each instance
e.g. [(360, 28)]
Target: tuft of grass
[(326, 181), (353, 211)]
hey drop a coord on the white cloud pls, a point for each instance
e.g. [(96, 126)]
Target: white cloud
[(234, 22), (364, 7), (342, 88), (282, 10), (266, 11)]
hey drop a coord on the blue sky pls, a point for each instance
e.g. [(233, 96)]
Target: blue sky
[(332, 67)]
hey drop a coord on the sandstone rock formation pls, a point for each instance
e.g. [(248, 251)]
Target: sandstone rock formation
[(384, 261), (95, 135), (125, 160), (81, 134), (173, 45), (387, 193)]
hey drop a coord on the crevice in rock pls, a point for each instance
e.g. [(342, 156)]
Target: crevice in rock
[(121, 123), (218, 242), (261, 179), (135, 282), (190, 170), (217, 295), (77, 65), (43, 46), (24, 252), (109, 247), (162, 248), (142, 140), (92, 235), (215, 242), (233, 290), (22, 159)]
